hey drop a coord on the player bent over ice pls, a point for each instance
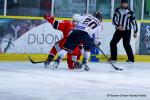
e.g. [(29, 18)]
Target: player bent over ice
[(65, 26), (87, 31)]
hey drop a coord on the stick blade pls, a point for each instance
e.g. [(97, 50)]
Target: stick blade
[(29, 58), (119, 69)]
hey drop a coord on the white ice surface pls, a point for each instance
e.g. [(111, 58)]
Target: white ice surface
[(26, 81)]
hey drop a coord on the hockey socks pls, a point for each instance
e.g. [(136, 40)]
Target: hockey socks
[(48, 60)]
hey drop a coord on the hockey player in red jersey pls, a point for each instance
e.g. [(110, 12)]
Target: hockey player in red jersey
[(65, 26)]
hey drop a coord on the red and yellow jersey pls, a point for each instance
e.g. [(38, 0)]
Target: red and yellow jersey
[(65, 26)]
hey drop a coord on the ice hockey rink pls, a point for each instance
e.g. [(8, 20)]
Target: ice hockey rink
[(27, 81)]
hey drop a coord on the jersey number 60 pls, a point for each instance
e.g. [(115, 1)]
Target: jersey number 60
[(89, 22)]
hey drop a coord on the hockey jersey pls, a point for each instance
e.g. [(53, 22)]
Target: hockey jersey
[(65, 26), (91, 25)]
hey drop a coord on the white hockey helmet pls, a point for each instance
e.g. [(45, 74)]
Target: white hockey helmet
[(76, 17)]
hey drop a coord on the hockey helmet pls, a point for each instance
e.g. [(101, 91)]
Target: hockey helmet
[(76, 17), (98, 15)]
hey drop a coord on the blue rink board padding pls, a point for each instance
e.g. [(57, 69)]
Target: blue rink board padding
[(95, 52)]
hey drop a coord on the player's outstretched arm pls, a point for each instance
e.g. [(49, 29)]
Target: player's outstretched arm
[(49, 18)]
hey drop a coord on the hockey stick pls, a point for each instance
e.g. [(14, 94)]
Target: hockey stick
[(34, 62), (116, 68)]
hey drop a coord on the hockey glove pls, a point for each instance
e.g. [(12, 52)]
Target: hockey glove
[(95, 45), (48, 17)]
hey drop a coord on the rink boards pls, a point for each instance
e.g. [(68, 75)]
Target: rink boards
[(38, 57), (24, 57)]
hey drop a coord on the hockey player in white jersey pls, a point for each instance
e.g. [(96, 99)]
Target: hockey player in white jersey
[(87, 32)]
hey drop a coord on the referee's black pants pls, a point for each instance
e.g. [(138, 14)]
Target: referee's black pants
[(126, 36)]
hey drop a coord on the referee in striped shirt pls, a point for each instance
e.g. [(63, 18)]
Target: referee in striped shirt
[(124, 20)]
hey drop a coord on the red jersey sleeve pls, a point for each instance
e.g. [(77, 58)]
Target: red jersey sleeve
[(51, 21), (64, 26), (56, 24), (59, 25)]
